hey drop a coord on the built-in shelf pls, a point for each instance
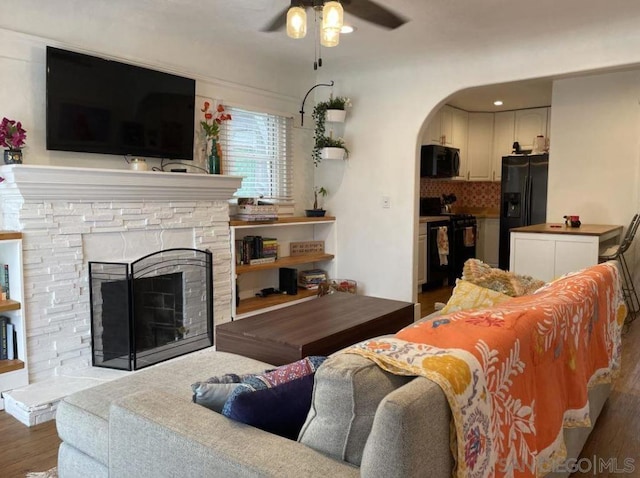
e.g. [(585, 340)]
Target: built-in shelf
[(258, 303), (10, 365), (283, 221), (7, 305), (284, 262), (286, 230)]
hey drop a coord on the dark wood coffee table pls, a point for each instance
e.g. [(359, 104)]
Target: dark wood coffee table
[(317, 327)]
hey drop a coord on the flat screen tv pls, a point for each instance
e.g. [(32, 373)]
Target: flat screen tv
[(96, 105)]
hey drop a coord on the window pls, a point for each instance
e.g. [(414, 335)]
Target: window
[(257, 146)]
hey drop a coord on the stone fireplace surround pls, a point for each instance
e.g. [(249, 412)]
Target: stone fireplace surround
[(70, 216)]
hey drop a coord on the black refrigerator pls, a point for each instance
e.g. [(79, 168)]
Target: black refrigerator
[(523, 196)]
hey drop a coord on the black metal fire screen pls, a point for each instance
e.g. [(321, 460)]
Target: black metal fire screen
[(154, 309)]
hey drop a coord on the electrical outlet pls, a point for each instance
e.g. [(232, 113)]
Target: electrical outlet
[(386, 202)]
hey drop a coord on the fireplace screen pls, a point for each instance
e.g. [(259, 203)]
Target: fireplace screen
[(156, 308)]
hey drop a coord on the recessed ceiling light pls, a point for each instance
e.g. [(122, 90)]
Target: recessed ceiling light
[(497, 102), (347, 29)]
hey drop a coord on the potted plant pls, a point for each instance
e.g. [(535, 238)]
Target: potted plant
[(330, 148), (327, 111), (317, 211), (12, 136)]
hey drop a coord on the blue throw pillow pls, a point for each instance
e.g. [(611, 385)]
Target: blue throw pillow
[(277, 402)]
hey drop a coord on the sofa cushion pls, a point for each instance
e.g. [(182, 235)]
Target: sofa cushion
[(410, 434), (277, 401), (347, 391), (467, 295)]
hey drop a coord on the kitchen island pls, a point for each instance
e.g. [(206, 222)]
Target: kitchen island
[(548, 251)]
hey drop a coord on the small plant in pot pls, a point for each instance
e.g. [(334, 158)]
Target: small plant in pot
[(317, 211), (327, 147)]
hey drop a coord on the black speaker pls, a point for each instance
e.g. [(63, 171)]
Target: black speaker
[(288, 281)]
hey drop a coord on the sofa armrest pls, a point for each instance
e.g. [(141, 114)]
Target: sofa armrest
[(154, 434)]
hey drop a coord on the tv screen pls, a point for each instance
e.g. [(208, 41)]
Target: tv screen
[(103, 106)]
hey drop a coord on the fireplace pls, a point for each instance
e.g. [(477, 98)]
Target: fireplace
[(153, 309)]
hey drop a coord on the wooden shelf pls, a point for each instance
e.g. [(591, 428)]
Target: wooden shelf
[(6, 235), (258, 303), (7, 305), (283, 220), (10, 365), (284, 262)]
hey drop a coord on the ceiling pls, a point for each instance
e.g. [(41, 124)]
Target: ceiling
[(435, 28)]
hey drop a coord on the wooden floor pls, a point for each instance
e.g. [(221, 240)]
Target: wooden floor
[(616, 434)]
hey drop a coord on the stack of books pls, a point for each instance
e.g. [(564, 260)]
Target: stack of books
[(8, 340), (256, 250), (261, 212), (311, 279)]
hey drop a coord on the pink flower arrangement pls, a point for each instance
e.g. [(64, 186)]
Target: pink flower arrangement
[(211, 123), (12, 135)]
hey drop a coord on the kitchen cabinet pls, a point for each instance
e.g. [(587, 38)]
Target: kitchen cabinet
[(545, 252), (480, 147), (440, 129), (14, 373), (422, 254), (460, 132), (487, 238), (529, 124), (252, 278), (503, 137)]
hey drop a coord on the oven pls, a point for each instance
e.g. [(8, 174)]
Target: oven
[(463, 230), (437, 264), (460, 231)]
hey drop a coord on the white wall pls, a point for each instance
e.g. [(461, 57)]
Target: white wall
[(593, 168)]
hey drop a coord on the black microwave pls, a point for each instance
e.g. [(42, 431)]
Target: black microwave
[(439, 161)]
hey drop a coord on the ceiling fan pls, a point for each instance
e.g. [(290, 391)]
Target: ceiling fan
[(364, 9)]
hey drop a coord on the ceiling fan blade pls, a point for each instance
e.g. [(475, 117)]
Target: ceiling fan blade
[(277, 23), (374, 13)]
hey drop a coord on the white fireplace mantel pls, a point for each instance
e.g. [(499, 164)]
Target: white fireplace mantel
[(36, 182)]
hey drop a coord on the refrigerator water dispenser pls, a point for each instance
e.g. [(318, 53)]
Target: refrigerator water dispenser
[(511, 206)]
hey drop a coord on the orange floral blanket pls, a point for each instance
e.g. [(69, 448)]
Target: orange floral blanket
[(515, 374)]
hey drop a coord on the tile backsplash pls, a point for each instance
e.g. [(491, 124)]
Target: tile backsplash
[(484, 194)]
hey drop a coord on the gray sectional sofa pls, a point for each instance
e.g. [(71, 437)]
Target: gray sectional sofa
[(363, 422)]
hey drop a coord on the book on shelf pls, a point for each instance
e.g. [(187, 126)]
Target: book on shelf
[(311, 279), (11, 342), (262, 260), (4, 281), (4, 341)]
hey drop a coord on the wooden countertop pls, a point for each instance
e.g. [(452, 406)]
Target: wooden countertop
[(583, 230)]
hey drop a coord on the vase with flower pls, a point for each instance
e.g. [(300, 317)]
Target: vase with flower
[(211, 128), (12, 136)]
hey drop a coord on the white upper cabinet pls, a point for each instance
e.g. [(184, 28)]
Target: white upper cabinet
[(529, 124), (503, 137), (433, 135), (460, 132), (479, 155), (446, 126)]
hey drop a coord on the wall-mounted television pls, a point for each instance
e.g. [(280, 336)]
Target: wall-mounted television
[(95, 105)]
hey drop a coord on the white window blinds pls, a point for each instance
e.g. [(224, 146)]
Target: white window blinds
[(257, 146)]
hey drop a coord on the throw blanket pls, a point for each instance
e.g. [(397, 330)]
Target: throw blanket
[(515, 374)]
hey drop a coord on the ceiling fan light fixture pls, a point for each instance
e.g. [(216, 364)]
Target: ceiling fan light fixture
[(332, 15), (296, 22), (330, 37)]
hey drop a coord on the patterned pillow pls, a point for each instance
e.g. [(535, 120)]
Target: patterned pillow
[(277, 401), (508, 283), (214, 392), (467, 295)]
